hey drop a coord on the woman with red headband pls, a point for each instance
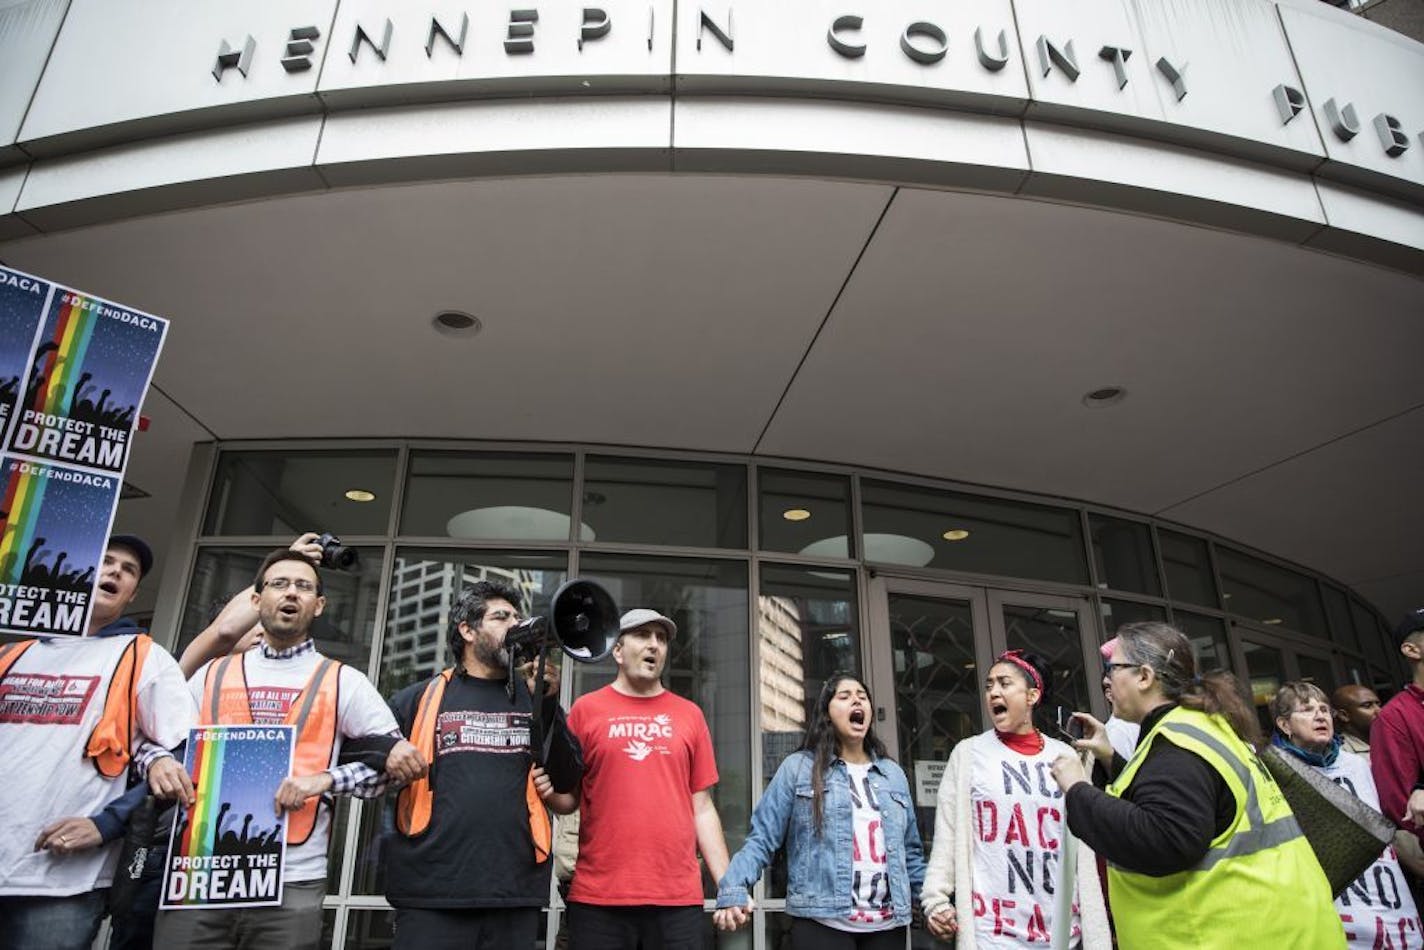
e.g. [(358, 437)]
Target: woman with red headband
[(1000, 835)]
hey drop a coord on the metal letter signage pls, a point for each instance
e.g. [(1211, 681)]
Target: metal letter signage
[(705, 22), (1175, 75), (845, 23), (229, 57), (992, 61), (438, 29), (848, 37), (1391, 135), (1050, 55), (520, 38), (1289, 102), (300, 48), (1118, 58), (1345, 123), (362, 36), (595, 25), (924, 56)]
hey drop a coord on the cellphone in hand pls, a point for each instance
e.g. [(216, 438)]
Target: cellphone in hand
[(1068, 726)]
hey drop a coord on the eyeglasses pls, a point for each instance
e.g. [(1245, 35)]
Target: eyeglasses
[(1108, 668), (282, 583)]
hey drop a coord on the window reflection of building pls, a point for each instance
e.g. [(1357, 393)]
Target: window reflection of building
[(422, 593), (782, 668)]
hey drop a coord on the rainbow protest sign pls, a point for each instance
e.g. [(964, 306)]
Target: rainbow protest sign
[(74, 370), (228, 849), (22, 305), (88, 376), (49, 548)]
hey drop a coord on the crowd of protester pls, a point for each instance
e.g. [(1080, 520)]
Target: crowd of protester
[(1160, 827)]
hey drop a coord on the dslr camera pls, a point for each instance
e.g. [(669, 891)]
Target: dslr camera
[(336, 555)]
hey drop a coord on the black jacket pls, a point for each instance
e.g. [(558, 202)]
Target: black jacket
[(1165, 822)]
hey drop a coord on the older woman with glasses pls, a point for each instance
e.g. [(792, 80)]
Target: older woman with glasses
[(1202, 849), (1377, 909)]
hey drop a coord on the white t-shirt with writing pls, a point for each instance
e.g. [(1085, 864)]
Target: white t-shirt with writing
[(870, 905), (1018, 831), (50, 702), (1376, 909), (272, 686)]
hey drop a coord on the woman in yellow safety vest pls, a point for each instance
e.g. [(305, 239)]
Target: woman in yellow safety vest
[(1202, 848)]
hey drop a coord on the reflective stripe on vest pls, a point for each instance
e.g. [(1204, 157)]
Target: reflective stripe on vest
[(416, 800), (1262, 834), (313, 715), (1258, 885), (110, 743)]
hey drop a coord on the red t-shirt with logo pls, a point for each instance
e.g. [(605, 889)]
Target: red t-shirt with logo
[(644, 758)]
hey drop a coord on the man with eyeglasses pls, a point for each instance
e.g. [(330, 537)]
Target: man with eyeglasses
[(286, 681), (468, 864)]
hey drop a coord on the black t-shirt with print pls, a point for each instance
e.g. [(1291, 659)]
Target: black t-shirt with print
[(477, 850)]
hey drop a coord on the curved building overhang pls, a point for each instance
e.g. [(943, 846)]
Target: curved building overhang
[(898, 237)]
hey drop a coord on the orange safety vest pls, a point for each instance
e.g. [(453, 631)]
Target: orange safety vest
[(415, 801), (313, 713), (112, 738)]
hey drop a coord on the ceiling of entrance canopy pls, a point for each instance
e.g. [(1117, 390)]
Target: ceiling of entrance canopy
[(1272, 393)]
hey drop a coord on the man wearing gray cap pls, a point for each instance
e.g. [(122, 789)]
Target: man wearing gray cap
[(645, 802)]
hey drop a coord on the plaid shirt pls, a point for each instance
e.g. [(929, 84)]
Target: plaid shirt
[(356, 779)]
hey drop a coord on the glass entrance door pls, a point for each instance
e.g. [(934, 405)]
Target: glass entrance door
[(931, 646)]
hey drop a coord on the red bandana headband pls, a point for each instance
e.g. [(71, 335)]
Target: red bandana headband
[(1016, 658)]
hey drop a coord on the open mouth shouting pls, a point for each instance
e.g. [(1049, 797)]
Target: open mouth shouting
[(857, 718), (109, 587)]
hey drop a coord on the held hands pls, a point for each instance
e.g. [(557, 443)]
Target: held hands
[(296, 789), (68, 835), (405, 764), (732, 918), (943, 924), (168, 779)]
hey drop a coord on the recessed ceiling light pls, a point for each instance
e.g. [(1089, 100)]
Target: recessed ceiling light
[(796, 514), (1272, 621), (360, 494), (955, 534), (456, 323), (1106, 396), (969, 666)]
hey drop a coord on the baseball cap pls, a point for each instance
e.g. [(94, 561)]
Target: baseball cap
[(1414, 620), (138, 546), (641, 615)]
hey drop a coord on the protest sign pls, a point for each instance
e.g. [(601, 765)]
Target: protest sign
[(54, 522), (74, 370), (88, 376), (22, 307), (228, 849)]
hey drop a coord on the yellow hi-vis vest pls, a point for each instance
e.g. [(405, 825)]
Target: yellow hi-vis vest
[(1259, 884)]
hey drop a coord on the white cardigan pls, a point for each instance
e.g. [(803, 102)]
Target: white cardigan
[(952, 859)]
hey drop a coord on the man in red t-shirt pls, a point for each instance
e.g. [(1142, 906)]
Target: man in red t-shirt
[(645, 805)]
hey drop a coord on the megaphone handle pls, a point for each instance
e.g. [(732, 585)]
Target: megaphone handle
[(536, 707)]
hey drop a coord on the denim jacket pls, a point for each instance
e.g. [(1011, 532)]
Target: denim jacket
[(819, 867)]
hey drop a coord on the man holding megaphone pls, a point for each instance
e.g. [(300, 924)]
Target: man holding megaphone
[(468, 864)]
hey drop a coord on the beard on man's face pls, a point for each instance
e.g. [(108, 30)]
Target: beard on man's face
[(489, 653)]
